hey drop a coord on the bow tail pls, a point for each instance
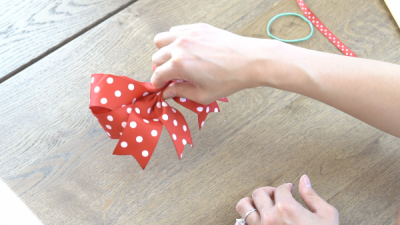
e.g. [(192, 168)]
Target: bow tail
[(139, 138), (201, 110), (177, 127)]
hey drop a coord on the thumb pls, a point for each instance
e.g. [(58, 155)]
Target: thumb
[(309, 196), (181, 89)]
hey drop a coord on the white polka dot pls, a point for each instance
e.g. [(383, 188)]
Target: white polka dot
[(165, 117), (103, 101), (131, 87), (139, 139), (120, 133), (148, 110), (137, 110), (117, 93), (96, 89), (216, 110), (159, 105), (184, 142), (123, 105), (173, 110), (110, 118), (164, 104), (184, 128), (145, 153), (156, 120), (200, 109), (108, 127), (129, 110), (175, 123), (134, 100), (174, 136), (110, 80), (133, 124), (159, 93), (124, 144), (92, 80), (208, 109), (146, 121), (154, 133), (123, 124), (182, 99), (202, 124), (145, 94), (108, 134)]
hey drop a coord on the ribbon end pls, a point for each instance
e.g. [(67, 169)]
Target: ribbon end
[(224, 99)]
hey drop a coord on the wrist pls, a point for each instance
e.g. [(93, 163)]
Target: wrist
[(283, 66)]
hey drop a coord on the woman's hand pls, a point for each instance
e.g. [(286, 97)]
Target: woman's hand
[(214, 62), (276, 206)]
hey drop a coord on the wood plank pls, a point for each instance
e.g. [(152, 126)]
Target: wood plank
[(58, 160), (31, 29)]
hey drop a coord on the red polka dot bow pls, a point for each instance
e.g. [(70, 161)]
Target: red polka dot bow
[(134, 112)]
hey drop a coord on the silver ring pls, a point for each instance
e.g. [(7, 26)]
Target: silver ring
[(243, 221)]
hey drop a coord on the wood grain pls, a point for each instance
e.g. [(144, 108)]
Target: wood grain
[(58, 160), (31, 29)]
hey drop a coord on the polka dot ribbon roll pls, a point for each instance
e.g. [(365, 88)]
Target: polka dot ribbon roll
[(135, 113), (324, 30)]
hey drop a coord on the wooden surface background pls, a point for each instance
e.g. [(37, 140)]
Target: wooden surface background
[(58, 160)]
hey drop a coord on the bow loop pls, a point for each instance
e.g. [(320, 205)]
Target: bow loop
[(134, 112)]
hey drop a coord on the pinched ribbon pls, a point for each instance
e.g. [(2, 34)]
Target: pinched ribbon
[(134, 112)]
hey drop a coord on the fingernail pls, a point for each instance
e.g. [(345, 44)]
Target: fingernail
[(307, 181)]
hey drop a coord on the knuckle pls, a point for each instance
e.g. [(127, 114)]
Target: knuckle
[(182, 40), (307, 191), (157, 40), (203, 25), (176, 62), (240, 204), (269, 220), (285, 207), (259, 191)]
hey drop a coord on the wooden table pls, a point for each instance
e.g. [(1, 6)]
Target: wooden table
[(57, 159)]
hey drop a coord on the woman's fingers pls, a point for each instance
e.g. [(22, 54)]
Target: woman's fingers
[(283, 193), (164, 73), (165, 38), (315, 203), (181, 28), (263, 199), (187, 90), (243, 206), (161, 56)]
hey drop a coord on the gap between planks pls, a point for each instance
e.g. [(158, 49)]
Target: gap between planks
[(66, 41)]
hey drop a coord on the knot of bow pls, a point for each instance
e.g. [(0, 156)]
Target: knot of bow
[(134, 112)]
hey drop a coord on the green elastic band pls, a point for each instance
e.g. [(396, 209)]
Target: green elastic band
[(290, 14)]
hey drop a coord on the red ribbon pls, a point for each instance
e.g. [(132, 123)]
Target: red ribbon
[(324, 30), (134, 112)]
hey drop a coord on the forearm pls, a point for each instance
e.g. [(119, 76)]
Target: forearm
[(366, 89)]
